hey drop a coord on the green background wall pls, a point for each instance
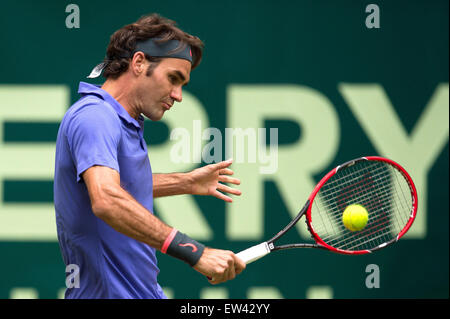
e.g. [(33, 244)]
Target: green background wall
[(340, 89)]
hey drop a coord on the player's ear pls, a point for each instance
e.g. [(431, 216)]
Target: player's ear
[(138, 63)]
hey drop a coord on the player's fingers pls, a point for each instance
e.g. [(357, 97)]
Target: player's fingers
[(223, 164), (231, 180), (229, 272), (227, 189), (212, 281), (221, 196), (225, 270), (215, 278), (226, 171), (239, 264), (218, 278)]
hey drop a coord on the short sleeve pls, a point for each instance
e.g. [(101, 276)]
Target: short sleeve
[(93, 135)]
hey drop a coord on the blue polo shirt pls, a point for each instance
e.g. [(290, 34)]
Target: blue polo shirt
[(97, 130)]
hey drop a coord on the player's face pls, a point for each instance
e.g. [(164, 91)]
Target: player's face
[(158, 92)]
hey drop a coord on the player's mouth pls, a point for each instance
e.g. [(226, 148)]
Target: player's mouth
[(166, 105)]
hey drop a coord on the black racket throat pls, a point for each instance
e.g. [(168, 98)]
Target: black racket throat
[(271, 242), (291, 246)]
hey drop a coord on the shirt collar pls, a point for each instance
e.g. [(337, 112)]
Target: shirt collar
[(87, 88)]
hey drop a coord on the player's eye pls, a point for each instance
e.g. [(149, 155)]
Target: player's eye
[(172, 79)]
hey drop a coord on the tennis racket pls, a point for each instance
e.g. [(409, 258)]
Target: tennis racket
[(380, 185)]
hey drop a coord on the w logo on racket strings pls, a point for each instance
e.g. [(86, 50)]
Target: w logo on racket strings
[(194, 248)]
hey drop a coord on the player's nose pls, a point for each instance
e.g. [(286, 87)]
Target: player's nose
[(177, 94)]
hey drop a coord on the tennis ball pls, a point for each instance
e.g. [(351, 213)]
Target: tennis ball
[(355, 217)]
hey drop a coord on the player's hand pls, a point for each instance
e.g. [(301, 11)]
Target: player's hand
[(219, 265), (207, 180)]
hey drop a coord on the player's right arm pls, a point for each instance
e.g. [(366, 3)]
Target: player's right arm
[(115, 206)]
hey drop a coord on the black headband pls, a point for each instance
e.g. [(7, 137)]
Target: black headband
[(168, 49), (154, 48)]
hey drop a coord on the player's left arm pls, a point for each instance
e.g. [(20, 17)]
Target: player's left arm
[(206, 180)]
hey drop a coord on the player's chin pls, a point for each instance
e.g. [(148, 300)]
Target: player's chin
[(156, 116)]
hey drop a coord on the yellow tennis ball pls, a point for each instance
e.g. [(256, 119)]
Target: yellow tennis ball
[(355, 217)]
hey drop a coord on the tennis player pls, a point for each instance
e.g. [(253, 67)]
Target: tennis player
[(104, 186)]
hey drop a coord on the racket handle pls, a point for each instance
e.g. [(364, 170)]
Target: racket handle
[(254, 253)]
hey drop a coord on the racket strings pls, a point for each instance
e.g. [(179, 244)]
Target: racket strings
[(380, 188), (335, 186), (381, 223), (381, 220), (366, 197), (361, 191), (337, 218), (342, 236)]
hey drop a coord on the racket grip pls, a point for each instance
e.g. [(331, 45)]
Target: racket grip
[(254, 253)]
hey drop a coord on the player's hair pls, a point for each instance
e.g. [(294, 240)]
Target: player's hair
[(123, 42)]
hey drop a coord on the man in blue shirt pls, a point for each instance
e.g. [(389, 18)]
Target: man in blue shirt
[(104, 186)]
